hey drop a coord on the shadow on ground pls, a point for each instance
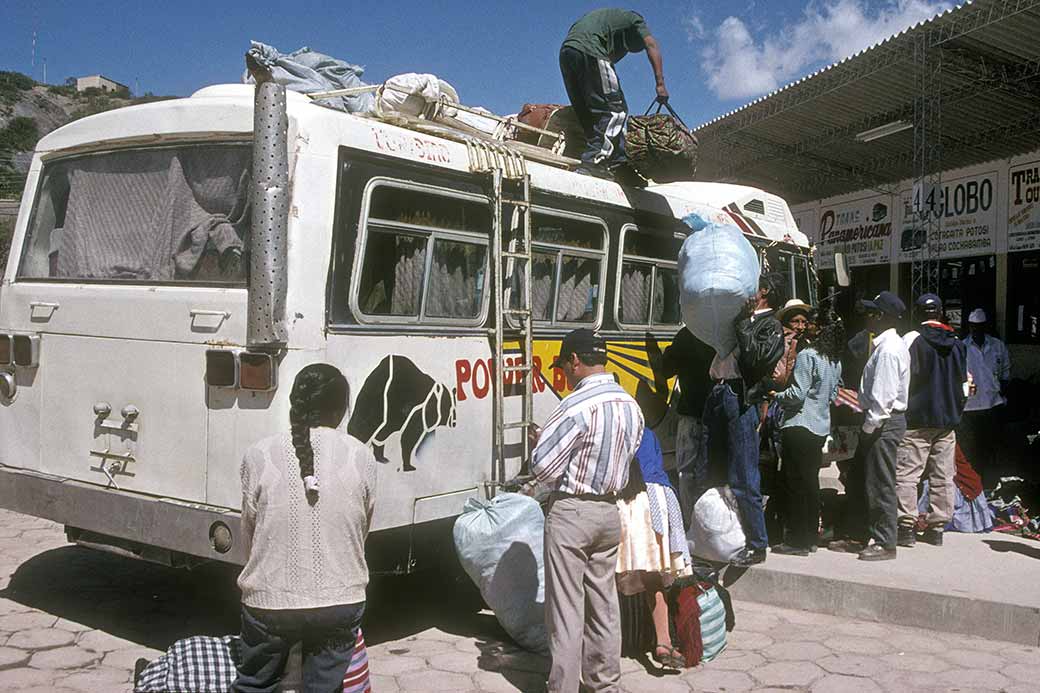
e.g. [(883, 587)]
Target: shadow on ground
[(1004, 546), (153, 605)]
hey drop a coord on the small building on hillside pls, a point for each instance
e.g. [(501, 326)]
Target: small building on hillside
[(99, 82)]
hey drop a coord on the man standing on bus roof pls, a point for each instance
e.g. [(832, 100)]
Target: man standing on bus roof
[(584, 452), (593, 45)]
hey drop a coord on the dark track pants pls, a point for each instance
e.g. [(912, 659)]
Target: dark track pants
[(594, 92), (879, 457)]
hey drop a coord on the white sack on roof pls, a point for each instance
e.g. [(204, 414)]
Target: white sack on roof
[(308, 71), (411, 94)]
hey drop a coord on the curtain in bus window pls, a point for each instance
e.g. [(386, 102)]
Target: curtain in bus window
[(410, 262), (579, 284), (456, 280), (635, 293), (666, 297), (543, 276), (155, 215)]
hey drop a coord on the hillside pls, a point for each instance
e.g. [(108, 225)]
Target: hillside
[(29, 110)]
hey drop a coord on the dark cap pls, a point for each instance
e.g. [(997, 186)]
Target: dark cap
[(929, 302), (888, 303), (580, 341)]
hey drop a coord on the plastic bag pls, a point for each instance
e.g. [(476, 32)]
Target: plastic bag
[(308, 71), (718, 273), (715, 533), (499, 543)]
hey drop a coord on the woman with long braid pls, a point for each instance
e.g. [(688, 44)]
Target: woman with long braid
[(307, 500)]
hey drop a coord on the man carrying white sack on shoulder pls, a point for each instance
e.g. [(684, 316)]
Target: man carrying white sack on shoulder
[(743, 379)]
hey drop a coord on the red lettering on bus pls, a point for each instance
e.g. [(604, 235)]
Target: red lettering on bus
[(463, 371), (480, 390)]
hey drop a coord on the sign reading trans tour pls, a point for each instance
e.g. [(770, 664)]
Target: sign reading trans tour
[(1024, 207), (862, 229), (967, 212)]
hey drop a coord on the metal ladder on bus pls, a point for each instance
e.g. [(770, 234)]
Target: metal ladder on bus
[(509, 187)]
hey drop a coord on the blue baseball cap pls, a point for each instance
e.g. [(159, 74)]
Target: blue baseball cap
[(888, 303), (929, 301)]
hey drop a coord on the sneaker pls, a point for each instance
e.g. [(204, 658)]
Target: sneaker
[(788, 550), (626, 175), (749, 557), (875, 552), (595, 172), (906, 537), (932, 536)]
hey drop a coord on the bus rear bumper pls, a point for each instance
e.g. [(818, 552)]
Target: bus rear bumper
[(177, 526)]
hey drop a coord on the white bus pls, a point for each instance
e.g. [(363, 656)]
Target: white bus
[(129, 389)]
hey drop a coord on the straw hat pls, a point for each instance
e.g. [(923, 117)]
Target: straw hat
[(791, 308)]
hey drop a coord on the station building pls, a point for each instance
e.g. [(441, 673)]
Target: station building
[(919, 160)]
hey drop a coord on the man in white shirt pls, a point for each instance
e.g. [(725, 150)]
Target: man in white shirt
[(989, 367), (883, 396)]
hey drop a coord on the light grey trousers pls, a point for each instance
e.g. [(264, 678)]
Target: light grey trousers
[(581, 602), (927, 452)]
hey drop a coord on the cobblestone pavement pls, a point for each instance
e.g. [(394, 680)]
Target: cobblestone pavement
[(73, 619)]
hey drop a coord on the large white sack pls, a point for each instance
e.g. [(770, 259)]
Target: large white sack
[(499, 543), (718, 273), (715, 532), (412, 93)]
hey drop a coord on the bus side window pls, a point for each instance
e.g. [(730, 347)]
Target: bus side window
[(425, 255), (648, 290), (567, 270)]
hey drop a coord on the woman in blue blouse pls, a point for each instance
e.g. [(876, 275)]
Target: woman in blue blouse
[(806, 422)]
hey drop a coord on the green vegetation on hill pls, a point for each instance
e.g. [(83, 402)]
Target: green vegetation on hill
[(6, 232), (12, 84)]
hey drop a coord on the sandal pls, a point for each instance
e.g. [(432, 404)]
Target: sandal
[(671, 657)]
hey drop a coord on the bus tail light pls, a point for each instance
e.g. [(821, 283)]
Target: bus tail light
[(221, 368), (257, 371), (26, 350), (5, 350)]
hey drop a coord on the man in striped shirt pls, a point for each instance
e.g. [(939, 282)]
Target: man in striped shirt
[(584, 452)]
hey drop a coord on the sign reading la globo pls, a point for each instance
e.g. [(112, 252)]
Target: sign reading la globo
[(966, 211), (1024, 207)]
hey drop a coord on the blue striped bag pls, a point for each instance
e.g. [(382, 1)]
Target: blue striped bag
[(713, 623)]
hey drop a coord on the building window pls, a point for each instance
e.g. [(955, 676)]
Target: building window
[(424, 256), (1023, 298), (648, 280), (569, 254)]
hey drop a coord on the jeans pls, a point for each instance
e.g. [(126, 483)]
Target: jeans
[(691, 463), (731, 433), (328, 635)]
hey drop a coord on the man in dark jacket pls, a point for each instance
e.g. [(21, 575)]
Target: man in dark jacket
[(743, 379), (938, 391)]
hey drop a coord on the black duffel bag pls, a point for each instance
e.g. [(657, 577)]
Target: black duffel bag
[(660, 146)]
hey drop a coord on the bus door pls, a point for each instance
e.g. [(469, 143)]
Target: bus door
[(133, 265)]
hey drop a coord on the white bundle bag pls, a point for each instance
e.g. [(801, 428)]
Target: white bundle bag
[(715, 531), (718, 273), (411, 94)]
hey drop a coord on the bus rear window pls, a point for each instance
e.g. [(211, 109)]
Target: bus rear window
[(172, 214)]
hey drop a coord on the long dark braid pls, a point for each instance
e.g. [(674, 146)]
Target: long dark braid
[(318, 390)]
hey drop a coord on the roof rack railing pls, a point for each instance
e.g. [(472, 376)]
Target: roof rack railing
[(437, 111)]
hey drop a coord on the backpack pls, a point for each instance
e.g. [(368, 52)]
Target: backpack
[(660, 146), (761, 345)]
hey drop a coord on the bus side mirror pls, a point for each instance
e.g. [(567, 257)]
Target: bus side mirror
[(841, 269)]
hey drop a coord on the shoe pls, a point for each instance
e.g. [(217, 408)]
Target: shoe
[(626, 175), (669, 657), (812, 549), (749, 557), (877, 553), (906, 537), (788, 550), (846, 546), (594, 172), (932, 536)]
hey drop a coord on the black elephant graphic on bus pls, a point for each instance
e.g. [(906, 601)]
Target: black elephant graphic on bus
[(397, 397)]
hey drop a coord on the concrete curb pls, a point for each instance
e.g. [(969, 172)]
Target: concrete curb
[(905, 607)]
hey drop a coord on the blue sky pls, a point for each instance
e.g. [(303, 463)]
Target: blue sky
[(718, 56)]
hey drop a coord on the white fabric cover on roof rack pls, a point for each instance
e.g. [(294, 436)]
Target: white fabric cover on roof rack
[(413, 94), (308, 71)]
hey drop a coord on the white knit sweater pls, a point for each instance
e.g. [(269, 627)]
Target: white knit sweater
[(304, 556)]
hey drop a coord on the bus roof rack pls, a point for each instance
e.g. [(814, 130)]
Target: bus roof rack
[(438, 118)]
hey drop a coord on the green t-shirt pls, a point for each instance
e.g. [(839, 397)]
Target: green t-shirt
[(608, 34)]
